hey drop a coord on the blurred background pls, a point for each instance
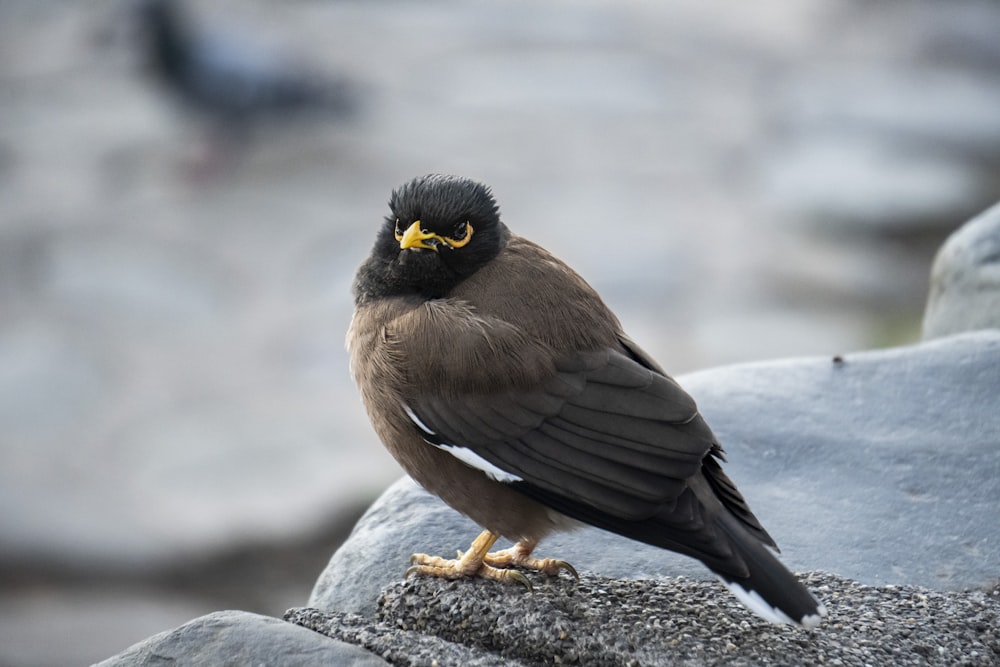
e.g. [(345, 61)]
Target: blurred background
[(178, 429)]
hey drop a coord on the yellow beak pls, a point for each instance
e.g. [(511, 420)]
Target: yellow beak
[(414, 237)]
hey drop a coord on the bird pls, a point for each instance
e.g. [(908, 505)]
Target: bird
[(231, 82), (502, 383)]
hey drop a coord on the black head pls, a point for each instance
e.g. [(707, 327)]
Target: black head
[(441, 230)]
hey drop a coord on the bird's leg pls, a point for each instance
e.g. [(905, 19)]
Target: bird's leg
[(520, 555), (469, 564)]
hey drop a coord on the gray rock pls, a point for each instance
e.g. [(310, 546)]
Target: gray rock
[(599, 621), (965, 279), (407, 643), (241, 638), (879, 466)]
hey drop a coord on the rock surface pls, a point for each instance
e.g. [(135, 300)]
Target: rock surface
[(880, 466), (599, 621), (241, 638), (965, 279), (881, 469)]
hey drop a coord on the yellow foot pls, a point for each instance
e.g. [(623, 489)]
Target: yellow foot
[(435, 566), (520, 556), (479, 562)]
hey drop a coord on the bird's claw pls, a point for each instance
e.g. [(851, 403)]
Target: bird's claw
[(562, 565), (478, 561), (514, 575), (517, 558), (433, 566)]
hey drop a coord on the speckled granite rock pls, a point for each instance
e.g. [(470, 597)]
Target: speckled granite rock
[(601, 621), (965, 279)]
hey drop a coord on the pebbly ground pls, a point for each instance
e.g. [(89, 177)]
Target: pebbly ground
[(422, 622)]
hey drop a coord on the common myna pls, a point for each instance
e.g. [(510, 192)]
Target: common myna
[(503, 384)]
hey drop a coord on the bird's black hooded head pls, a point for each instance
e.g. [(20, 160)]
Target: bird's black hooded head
[(441, 230)]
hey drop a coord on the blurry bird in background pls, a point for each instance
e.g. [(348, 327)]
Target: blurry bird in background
[(235, 86)]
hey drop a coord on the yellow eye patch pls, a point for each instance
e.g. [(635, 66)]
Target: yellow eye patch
[(415, 237)]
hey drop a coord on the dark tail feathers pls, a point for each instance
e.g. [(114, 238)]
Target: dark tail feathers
[(770, 590)]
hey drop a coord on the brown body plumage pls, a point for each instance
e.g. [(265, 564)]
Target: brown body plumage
[(397, 347), (503, 384)]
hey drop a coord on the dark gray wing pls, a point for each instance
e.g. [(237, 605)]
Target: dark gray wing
[(604, 432)]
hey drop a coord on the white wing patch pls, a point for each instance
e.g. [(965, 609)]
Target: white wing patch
[(416, 420), (464, 454), (470, 458)]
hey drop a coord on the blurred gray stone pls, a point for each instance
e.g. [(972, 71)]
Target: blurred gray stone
[(890, 102), (864, 180), (132, 278), (83, 613), (881, 466), (48, 382), (965, 279), (241, 638), (869, 149)]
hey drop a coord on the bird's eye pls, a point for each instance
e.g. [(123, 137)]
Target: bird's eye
[(399, 230), (460, 235)]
